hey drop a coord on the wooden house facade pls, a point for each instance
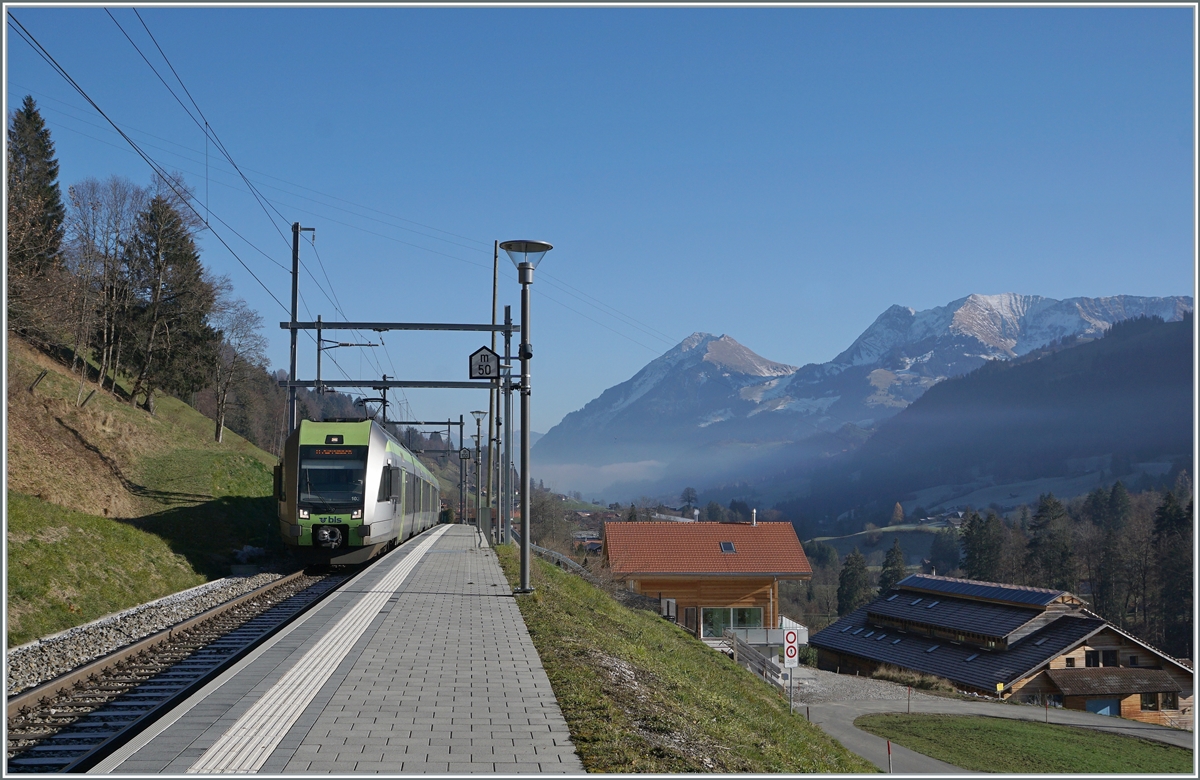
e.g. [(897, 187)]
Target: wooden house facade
[(719, 575), (1011, 641)]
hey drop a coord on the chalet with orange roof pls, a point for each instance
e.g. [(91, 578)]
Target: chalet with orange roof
[(720, 575)]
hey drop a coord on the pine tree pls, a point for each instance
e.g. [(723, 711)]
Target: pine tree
[(33, 181), (893, 568), (174, 347), (944, 554), (1119, 507), (854, 586), (1173, 538), (632, 516), (1050, 557), (982, 541), (897, 515)]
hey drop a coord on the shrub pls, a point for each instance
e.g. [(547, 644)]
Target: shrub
[(925, 682)]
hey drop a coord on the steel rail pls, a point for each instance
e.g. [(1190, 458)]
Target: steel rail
[(66, 682), (92, 717)]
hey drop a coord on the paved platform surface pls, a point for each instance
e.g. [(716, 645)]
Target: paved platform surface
[(421, 665)]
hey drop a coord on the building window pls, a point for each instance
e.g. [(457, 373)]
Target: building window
[(1110, 658), (1070, 663), (747, 617), (1133, 660), (1170, 700), (1091, 658), (714, 620), (1149, 702)]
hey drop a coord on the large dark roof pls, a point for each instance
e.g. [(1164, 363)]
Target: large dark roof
[(995, 620), (946, 659), (975, 589), (1112, 680)]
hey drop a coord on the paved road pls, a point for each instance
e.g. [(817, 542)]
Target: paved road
[(836, 718)]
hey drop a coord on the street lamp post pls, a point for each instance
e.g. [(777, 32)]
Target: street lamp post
[(479, 476), (525, 256)]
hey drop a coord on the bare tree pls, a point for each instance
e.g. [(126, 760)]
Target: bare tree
[(242, 351)]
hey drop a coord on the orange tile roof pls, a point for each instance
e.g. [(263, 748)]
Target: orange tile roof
[(769, 549)]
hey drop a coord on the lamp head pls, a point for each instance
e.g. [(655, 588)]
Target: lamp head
[(526, 252), (479, 416)]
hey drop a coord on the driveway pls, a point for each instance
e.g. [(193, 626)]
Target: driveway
[(833, 701)]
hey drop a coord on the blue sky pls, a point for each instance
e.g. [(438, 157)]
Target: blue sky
[(781, 175)]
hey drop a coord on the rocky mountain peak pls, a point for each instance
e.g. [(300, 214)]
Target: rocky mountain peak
[(727, 354)]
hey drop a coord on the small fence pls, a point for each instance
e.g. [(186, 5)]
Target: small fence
[(557, 558)]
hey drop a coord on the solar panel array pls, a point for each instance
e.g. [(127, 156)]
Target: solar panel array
[(991, 591), (964, 664)]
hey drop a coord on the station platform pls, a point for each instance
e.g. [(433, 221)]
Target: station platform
[(420, 665)]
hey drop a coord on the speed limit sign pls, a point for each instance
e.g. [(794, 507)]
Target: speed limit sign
[(791, 648)]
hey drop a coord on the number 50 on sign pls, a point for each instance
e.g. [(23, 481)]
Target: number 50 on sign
[(485, 364)]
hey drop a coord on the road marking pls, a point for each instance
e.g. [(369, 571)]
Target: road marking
[(248, 743)]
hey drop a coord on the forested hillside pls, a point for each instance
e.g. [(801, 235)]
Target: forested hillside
[(1118, 400)]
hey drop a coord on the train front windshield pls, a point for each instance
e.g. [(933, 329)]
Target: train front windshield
[(332, 476)]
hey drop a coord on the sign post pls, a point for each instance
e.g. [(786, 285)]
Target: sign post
[(791, 659)]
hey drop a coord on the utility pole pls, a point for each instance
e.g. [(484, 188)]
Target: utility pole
[(506, 483), (291, 412), (493, 403), (462, 479)]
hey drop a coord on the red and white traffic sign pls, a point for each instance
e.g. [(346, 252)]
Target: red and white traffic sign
[(791, 648)]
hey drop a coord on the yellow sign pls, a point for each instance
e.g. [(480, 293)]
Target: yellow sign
[(999, 687)]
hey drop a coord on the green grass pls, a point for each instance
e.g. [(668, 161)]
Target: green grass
[(66, 568), (113, 507), (641, 695), (1010, 746)]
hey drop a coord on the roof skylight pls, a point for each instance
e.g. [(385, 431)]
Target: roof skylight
[(935, 647), (915, 603), (972, 656), (932, 604), (727, 547)]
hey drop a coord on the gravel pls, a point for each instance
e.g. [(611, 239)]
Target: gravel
[(814, 686), (38, 662)]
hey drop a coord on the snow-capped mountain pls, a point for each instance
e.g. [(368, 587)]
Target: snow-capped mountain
[(710, 398)]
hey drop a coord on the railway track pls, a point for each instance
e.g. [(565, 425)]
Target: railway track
[(72, 722)]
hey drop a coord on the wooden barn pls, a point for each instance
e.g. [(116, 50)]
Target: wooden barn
[(720, 575), (1009, 640)]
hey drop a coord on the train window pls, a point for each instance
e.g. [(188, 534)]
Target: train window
[(385, 485), (331, 480)]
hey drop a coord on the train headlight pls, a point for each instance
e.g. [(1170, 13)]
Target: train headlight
[(303, 514), (356, 514)]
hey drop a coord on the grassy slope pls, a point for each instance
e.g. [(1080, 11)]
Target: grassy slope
[(109, 507), (641, 695), (1023, 747)]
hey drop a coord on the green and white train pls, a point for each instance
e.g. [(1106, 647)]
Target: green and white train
[(349, 490)]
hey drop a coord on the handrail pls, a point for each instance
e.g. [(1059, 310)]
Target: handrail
[(752, 659)]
